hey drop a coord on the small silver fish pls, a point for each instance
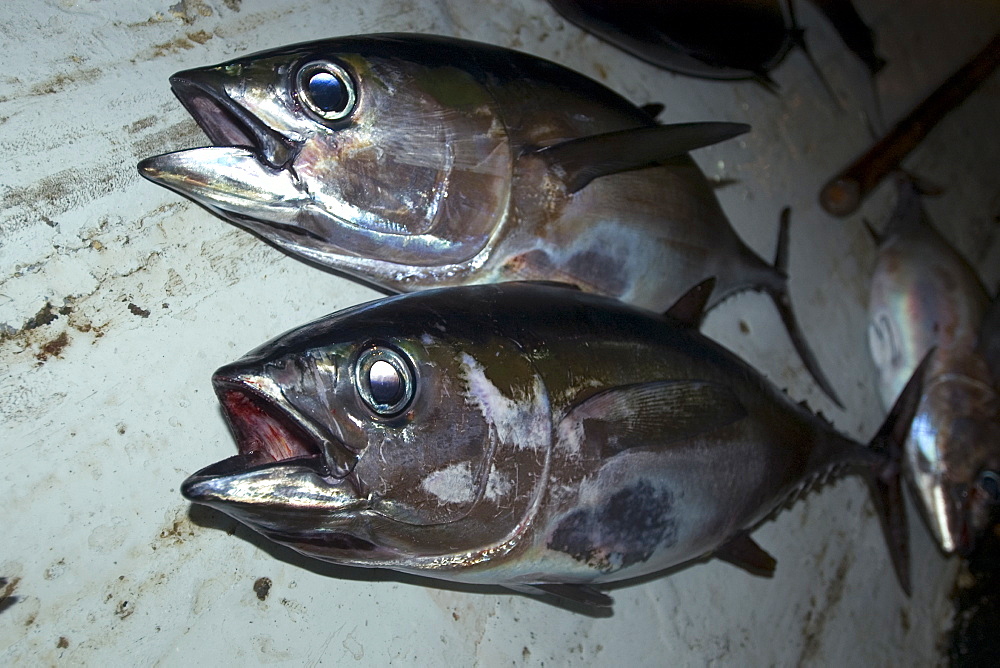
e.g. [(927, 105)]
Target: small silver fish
[(924, 295), (527, 435), (414, 161)]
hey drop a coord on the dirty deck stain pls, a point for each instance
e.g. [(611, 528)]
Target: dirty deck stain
[(63, 642), (124, 609), (49, 197), (142, 124), (180, 529), (189, 10), (178, 44), (816, 623), (47, 314), (53, 348), (138, 310), (262, 587), (62, 81), (7, 598)]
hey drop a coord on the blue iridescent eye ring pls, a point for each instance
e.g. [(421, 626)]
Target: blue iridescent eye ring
[(326, 90)]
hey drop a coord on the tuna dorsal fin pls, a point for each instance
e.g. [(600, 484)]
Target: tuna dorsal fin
[(690, 308), (580, 594), (580, 161), (650, 415), (744, 552)]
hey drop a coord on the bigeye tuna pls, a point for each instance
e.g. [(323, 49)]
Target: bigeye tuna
[(528, 435), (924, 294), (413, 161)]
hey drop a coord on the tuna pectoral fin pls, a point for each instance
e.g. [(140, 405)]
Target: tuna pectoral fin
[(580, 161), (650, 415), (886, 481), (743, 552), (782, 302), (574, 593)]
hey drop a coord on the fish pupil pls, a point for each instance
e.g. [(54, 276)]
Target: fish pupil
[(990, 483), (385, 383), (328, 92)]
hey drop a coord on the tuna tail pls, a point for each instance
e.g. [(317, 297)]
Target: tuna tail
[(885, 479), (779, 294), (798, 37)]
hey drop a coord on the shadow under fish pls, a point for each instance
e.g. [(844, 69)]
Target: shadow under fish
[(527, 435), (415, 161)]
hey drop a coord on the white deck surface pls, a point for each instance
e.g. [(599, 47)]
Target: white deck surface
[(107, 407)]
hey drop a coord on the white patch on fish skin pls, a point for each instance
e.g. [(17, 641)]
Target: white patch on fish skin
[(497, 486), (569, 436), (522, 423), (452, 484)]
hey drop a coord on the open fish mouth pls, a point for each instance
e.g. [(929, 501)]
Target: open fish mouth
[(246, 175), (280, 483), (228, 124), (263, 434), (282, 460)]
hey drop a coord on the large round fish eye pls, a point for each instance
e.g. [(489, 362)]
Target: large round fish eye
[(989, 483), (325, 89), (384, 380)]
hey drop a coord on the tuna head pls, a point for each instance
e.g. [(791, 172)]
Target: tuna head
[(423, 450), (344, 150), (953, 454)]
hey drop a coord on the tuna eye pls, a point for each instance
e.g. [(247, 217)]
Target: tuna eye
[(989, 482), (384, 380), (326, 90)]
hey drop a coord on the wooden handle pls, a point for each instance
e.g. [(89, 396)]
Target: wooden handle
[(844, 193)]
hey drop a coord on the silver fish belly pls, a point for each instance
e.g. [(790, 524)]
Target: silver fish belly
[(413, 161), (520, 434), (924, 295)]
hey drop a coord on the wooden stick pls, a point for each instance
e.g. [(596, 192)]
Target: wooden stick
[(844, 193)]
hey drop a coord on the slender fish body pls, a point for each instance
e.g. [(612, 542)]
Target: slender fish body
[(414, 161), (924, 295), (522, 434)]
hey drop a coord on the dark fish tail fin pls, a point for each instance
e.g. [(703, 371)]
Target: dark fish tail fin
[(885, 479), (779, 293), (854, 32), (798, 37)]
